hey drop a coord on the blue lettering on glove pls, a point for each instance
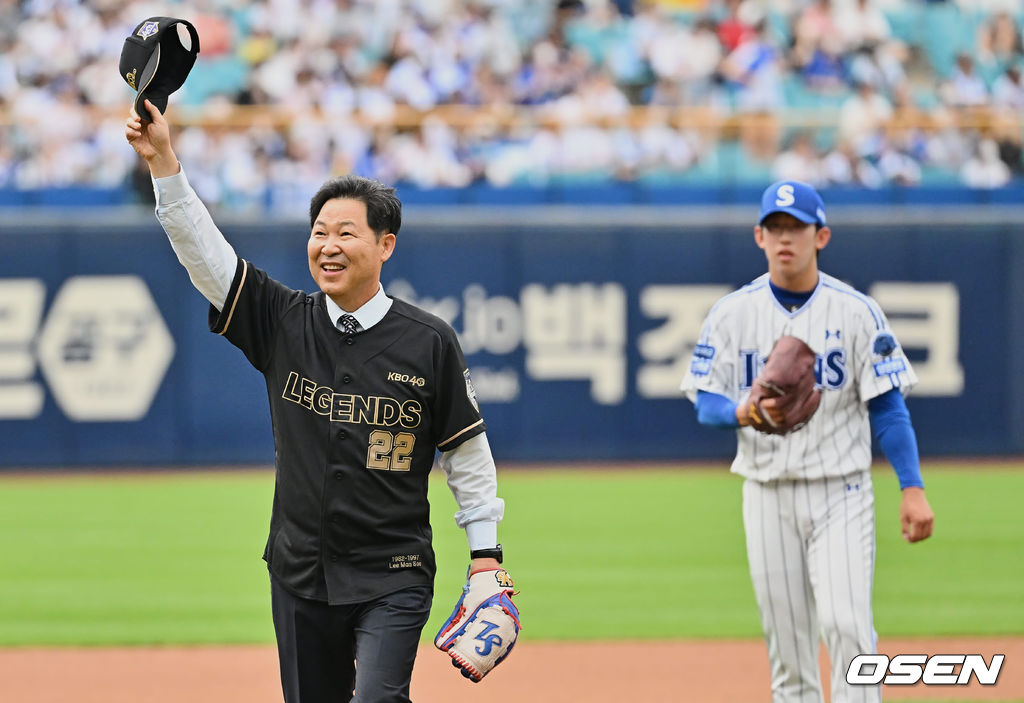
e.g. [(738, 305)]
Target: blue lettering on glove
[(488, 640)]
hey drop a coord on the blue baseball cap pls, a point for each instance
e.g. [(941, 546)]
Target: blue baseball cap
[(794, 198)]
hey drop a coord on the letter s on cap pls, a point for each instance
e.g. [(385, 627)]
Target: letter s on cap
[(784, 196)]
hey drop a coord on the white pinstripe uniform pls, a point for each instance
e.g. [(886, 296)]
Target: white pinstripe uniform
[(808, 505)]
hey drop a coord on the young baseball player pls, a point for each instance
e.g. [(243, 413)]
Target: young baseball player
[(363, 390), (808, 506)]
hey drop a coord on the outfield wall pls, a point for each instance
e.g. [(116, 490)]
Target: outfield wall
[(576, 324)]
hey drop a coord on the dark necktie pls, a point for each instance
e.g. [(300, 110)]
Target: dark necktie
[(348, 324)]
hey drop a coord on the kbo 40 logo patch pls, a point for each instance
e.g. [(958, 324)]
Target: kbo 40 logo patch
[(934, 670)]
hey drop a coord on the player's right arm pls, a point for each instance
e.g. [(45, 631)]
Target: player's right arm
[(201, 248), (710, 376)]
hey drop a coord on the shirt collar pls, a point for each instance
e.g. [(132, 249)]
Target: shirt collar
[(372, 311)]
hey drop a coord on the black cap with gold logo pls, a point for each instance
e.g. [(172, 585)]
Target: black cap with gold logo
[(156, 59)]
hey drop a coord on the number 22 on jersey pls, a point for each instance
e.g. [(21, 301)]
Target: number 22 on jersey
[(390, 452)]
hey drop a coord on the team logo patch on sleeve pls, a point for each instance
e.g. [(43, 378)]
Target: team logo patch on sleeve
[(885, 344), (470, 391), (702, 356)]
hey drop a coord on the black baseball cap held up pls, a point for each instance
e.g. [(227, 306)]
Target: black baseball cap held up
[(156, 59)]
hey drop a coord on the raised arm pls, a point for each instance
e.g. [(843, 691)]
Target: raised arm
[(199, 245)]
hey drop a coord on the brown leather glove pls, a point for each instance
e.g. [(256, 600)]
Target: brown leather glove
[(788, 376)]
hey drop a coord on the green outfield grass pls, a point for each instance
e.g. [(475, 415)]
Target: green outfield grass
[(175, 558)]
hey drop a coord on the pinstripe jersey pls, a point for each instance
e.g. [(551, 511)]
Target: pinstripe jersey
[(858, 359)]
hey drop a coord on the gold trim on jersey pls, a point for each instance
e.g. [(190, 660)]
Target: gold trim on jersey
[(459, 433), (231, 312)]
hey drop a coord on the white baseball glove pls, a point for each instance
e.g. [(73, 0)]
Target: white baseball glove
[(484, 626)]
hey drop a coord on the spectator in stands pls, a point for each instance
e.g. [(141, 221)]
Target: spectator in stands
[(898, 167), (998, 43), (372, 98), (597, 97), (584, 153), (668, 151), (883, 65), (684, 60), (665, 92), (799, 162), (551, 71), (345, 91), (985, 169), (861, 23), (566, 11), (813, 27), (965, 88), (738, 24), (429, 157), (817, 48), (1008, 89), (862, 118), (704, 55), (407, 80), (824, 70), (906, 129), (754, 71), (843, 166), (1006, 131)]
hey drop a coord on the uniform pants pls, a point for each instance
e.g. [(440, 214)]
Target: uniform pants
[(811, 549), (362, 652)]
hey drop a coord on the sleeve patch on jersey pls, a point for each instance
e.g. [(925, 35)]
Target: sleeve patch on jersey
[(702, 356), (884, 368), (885, 344), (470, 390)]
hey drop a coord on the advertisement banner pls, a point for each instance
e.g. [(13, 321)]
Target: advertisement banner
[(577, 336)]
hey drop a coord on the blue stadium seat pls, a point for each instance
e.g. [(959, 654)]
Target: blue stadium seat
[(932, 175), (946, 32), (221, 76), (906, 22)]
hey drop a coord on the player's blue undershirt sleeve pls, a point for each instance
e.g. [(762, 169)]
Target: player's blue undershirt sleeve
[(714, 410), (890, 420)]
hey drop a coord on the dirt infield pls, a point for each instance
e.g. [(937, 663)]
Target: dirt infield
[(711, 671)]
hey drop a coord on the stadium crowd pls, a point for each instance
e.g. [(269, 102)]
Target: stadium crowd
[(448, 93)]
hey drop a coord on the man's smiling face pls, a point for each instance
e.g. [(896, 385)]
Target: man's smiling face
[(345, 255)]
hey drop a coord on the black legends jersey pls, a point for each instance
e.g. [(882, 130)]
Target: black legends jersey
[(357, 419)]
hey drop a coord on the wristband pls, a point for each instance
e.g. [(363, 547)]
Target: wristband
[(492, 553)]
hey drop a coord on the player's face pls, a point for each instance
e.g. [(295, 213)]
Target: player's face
[(791, 247), (345, 256)]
